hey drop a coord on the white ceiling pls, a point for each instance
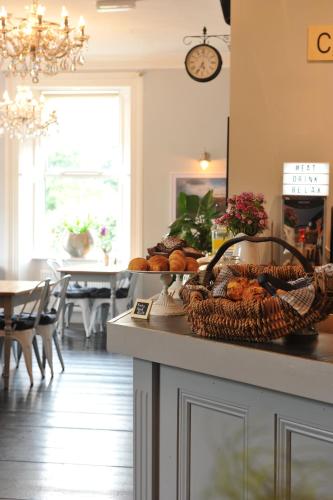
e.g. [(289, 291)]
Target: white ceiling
[(149, 36)]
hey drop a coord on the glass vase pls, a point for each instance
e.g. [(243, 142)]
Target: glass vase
[(106, 258)]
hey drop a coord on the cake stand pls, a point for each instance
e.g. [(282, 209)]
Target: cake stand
[(168, 302)]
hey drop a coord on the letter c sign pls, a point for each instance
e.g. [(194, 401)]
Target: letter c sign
[(320, 43)]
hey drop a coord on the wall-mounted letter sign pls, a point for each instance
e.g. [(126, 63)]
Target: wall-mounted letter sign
[(306, 179), (320, 43)]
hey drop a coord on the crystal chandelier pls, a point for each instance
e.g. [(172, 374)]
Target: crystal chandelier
[(24, 118), (33, 45)]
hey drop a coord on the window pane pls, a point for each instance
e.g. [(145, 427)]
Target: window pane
[(70, 198), (83, 171), (89, 133)]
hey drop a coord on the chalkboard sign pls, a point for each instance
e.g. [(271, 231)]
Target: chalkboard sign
[(142, 308)]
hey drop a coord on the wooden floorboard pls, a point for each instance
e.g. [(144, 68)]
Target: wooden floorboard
[(69, 437)]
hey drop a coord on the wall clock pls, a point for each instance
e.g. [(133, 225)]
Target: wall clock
[(203, 62)]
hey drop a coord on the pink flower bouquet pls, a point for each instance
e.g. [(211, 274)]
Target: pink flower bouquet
[(245, 214)]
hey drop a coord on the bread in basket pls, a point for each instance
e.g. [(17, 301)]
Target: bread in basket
[(254, 320)]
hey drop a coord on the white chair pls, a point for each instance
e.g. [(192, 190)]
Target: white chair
[(126, 283), (76, 296), (47, 327), (25, 323)]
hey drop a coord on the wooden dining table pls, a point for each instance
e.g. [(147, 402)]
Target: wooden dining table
[(13, 293)]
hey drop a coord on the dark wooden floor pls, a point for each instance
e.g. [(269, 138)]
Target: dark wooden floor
[(70, 437)]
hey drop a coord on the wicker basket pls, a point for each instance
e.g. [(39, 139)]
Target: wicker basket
[(257, 321)]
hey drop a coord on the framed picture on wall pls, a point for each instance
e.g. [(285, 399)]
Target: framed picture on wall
[(198, 184)]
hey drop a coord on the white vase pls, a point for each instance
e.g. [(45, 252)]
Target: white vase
[(247, 251)]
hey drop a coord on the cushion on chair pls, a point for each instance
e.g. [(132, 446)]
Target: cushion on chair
[(26, 322), (100, 293), (48, 318), (122, 293), (105, 293), (80, 293)]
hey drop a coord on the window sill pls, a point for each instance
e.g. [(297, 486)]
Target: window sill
[(65, 259)]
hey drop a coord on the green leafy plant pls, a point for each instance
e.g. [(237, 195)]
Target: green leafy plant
[(195, 221), (78, 226)]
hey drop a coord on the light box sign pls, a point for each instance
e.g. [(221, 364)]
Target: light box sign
[(306, 179)]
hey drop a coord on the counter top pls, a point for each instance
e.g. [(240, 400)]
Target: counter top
[(302, 367)]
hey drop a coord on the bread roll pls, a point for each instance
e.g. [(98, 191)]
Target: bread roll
[(177, 261), (138, 264), (235, 288), (191, 264), (254, 291), (158, 263), (245, 289)]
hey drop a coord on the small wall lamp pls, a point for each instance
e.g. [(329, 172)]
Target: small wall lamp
[(204, 160)]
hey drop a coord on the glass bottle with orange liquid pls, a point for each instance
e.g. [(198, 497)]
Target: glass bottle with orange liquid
[(220, 235)]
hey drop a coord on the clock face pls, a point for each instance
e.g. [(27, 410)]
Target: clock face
[(203, 63)]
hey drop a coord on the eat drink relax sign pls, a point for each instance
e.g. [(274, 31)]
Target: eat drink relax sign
[(306, 179), (320, 42)]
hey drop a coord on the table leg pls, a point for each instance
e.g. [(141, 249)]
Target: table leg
[(8, 341), (113, 285)]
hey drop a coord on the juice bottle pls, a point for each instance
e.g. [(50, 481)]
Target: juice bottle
[(220, 235)]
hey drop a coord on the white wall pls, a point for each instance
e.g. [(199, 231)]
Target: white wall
[(181, 117), (4, 197), (281, 104)]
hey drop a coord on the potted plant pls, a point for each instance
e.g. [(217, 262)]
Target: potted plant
[(195, 220), (78, 238), (246, 215)]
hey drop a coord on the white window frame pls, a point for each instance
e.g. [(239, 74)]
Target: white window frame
[(42, 171), (19, 258)]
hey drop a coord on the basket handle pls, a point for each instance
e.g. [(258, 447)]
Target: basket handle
[(307, 266)]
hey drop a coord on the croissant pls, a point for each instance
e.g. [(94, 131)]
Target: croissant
[(158, 263), (138, 264), (191, 264), (177, 261)]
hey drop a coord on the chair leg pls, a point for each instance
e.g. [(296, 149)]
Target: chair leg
[(46, 332), (86, 317), (39, 361), (56, 343), (68, 313), (106, 314), (93, 315), (47, 349), (18, 354), (25, 341)]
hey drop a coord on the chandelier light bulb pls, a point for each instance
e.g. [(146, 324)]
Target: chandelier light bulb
[(6, 97), (40, 10), (25, 117), (64, 12), (34, 46)]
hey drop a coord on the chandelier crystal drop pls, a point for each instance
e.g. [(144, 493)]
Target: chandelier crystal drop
[(25, 117), (32, 45)]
